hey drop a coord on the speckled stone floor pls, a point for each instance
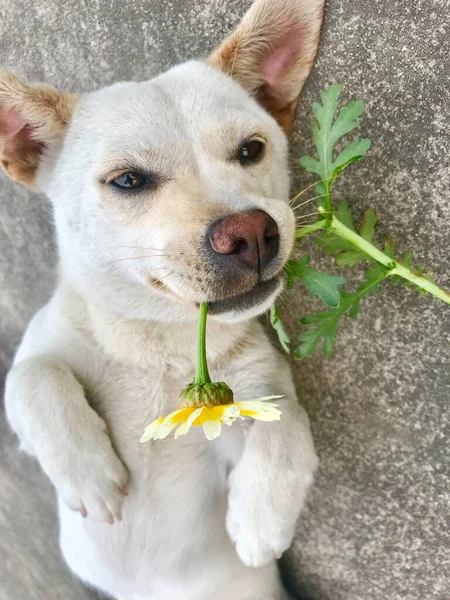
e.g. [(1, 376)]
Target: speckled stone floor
[(377, 523)]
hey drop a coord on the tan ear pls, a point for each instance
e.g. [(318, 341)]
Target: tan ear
[(32, 120), (272, 51)]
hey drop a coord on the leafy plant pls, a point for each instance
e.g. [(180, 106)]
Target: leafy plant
[(339, 237)]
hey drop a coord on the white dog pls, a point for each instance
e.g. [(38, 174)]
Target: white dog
[(166, 194)]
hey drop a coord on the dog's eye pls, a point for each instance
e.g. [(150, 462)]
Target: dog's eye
[(131, 181), (251, 152)]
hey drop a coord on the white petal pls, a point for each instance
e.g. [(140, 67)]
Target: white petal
[(150, 430), (212, 429), (184, 427), (263, 411), (264, 398), (230, 414), (267, 415), (256, 405), (167, 426)]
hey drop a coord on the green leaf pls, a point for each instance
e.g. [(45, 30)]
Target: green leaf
[(276, 323), (314, 318), (351, 153), (310, 340), (311, 165), (322, 127), (324, 112), (353, 311), (350, 258), (338, 170), (347, 120), (328, 340), (389, 247), (343, 213), (376, 273), (368, 224), (326, 133), (408, 259), (325, 323), (322, 285)]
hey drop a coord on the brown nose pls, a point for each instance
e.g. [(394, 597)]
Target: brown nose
[(251, 237)]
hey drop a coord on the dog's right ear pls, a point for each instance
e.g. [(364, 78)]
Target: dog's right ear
[(33, 119), (271, 53)]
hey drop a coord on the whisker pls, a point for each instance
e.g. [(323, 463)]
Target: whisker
[(322, 239), (292, 200), (158, 268), (307, 188), (294, 208), (167, 275), (139, 248), (312, 214), (134, 257), (282, 301), (303, 225), (297, 206)]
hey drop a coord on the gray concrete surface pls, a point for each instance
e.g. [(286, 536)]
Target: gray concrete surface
[(377, 523)]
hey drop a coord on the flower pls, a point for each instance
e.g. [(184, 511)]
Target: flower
[(211, 418), (206, 403)]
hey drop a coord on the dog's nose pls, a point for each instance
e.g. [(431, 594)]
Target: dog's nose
[(250, 237)]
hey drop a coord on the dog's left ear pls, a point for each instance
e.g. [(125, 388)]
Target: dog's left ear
[(272, 51), (33, 119)]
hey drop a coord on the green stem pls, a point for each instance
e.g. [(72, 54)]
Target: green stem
[(351, 236), (308, 229), (328, 205), (363, 290), (202, 373), (393, 267), (421, 282)]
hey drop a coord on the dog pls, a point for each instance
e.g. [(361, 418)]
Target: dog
[(166, 194)]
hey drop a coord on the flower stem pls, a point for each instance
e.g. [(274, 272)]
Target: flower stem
[(202, 373), (394, 267), (351, 236), (422, 282)]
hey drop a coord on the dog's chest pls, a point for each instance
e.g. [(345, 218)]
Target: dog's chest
[(176, 487), (129, 397)]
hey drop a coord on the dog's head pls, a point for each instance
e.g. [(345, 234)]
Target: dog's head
[(173, 192)]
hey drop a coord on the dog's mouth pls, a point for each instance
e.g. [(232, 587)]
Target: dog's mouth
[(256, 296)]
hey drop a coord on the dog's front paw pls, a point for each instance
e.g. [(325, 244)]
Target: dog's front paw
[(89, 476), (260, 534), (254, 545)]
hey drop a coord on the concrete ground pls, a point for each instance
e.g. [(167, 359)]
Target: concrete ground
[(377, 523)]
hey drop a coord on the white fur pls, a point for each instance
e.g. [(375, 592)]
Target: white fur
[(110, 353)]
